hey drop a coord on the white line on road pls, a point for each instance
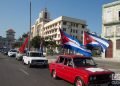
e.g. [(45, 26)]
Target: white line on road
[(24, 71)]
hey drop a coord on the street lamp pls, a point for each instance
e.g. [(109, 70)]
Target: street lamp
[(30, 28)]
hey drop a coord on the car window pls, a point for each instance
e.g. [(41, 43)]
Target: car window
[(60, 60), (35, 54), (80, 62), (70, 63), (65, 61), (13, 50)]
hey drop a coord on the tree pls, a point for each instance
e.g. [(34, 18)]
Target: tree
[(35, 42)]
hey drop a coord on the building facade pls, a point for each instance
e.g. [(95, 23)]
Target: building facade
[(47, 28), (3, 42), (10, 36), (111, 28)]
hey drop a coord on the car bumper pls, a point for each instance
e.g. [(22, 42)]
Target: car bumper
[(39, 63), (103, 83)]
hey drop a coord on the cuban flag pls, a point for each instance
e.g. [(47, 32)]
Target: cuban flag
[(94, 40), (72, 43)]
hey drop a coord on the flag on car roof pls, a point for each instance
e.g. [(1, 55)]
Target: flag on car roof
[(94, 40), (72, 43), (22, 48)]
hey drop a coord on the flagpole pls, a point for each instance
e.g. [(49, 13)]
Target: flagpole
[(30, 28), (83, 37)]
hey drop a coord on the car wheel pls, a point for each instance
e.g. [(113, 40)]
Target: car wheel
[(23, 62), (54, 74), (79, 82), (29, 65)]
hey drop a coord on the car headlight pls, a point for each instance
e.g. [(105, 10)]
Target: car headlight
[(92, 78)]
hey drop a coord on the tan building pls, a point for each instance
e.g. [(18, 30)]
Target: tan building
[(10, 36), (111, 28), (46, 27)]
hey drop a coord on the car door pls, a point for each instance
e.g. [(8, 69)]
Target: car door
[(68, 70), (26, 58), (59, 67)]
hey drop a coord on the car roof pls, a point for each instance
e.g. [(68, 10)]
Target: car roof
[(73, 56)]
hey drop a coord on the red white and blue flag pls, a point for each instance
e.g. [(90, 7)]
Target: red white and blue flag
[(72, 43), (95, 41)]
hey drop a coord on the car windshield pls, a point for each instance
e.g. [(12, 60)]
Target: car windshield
[(36, 55), (81, 62), (13, 50)]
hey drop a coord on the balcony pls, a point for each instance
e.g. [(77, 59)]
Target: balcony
[(111, 23)]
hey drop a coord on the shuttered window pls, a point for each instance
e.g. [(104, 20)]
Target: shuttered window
[(118, 44)]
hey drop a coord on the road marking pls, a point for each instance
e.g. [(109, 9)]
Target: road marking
[(24, 71)]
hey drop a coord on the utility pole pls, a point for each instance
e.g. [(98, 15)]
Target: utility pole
[(30, 28)]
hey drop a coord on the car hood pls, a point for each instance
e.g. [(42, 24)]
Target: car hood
[(95, 70), (38, 58)]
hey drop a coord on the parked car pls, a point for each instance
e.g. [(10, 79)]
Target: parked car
[(12, 53), (80, 71), (35, 58)]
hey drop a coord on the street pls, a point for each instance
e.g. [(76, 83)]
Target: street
[(14, 73)]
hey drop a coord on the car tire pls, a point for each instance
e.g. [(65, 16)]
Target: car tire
[(29, 65), (54, 74), (79, 82)]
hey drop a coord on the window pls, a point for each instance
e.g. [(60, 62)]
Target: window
[(118, 44), (60, 60), (77, 25), (71, 30), (64, 22), (109, 32), (80, 62), (64, 29), (83, 26), (76, 31)]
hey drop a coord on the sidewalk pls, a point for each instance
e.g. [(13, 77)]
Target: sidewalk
[(53, 58), (107, 59)]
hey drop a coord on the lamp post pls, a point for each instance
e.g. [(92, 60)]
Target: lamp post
[(30, 28)]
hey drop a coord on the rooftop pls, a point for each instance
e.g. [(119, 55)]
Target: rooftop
[(10, 30), (112, 4)]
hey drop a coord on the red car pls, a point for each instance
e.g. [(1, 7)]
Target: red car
[(80, 71)]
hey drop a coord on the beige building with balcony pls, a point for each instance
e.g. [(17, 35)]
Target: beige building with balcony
[(45, 27), (111, 28)]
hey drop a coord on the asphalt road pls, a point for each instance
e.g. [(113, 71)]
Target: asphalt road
[(14, 73), (113, 66)]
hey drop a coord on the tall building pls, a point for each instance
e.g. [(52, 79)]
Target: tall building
[(10, 36), (111, 28), (47, 28)]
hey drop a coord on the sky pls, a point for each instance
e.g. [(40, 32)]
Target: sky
[(15, 13)]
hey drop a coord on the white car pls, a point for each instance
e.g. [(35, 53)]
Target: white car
[(12, 52), (35, 58)]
